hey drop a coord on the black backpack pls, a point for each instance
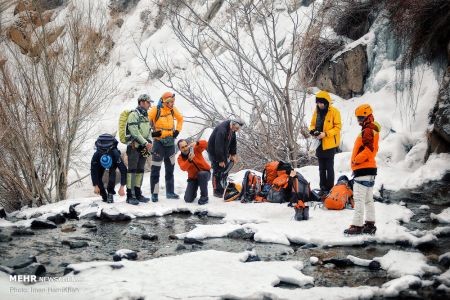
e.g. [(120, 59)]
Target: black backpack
[(105, 143)]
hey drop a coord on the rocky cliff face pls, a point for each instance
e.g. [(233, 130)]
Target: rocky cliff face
[(345, 76)]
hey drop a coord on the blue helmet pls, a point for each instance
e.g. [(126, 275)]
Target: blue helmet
[(106, 161)]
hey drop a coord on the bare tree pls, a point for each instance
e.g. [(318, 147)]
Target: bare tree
[(251, 57), (49, 98)]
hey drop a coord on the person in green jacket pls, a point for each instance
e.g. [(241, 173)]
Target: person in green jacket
[(138, 149)]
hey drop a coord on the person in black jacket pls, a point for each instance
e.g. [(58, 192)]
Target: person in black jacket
[(222, 148), (108, 160)]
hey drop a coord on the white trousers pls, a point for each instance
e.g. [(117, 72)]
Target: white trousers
[(363, 197)]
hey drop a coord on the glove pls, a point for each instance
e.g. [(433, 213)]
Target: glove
[(311, 132), (156, 133), (175, 134)]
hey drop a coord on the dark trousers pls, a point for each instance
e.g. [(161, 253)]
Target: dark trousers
[(326, 172), (162, 154), (218, 176), (111, 182), (193, 184), (135, 172)]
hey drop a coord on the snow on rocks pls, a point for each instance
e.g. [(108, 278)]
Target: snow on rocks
[(444, 278), (401, 263), (394, 287), (444, 259), (443, 217), (125, 254)]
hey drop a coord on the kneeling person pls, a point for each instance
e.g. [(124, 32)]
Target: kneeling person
[(191, 160)]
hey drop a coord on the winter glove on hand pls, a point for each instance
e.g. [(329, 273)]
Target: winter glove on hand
[(156, 133), (175, 134)]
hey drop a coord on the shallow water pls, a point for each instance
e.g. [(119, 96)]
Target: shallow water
[(47, 247)]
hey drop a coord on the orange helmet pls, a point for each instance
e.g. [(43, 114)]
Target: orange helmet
[(363, 110), (168, 97)]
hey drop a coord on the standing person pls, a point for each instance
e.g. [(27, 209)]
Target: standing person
[(138, 149), (191, 160), (326, 127), (364, 169), (107, 157), (221, 147), (165, 132)]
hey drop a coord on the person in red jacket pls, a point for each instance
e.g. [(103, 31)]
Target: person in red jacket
[(191, 160), (364, 169)]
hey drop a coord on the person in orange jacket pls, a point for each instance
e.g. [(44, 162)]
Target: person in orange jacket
[(364, 169), (165, 131), (191, 160), (326, 127)]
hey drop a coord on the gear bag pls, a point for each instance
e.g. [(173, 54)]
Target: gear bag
[(340, 195), (272, 168), (251, 186), (232, 192), (105, 143)]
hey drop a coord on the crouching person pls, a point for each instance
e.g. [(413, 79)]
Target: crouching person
[(191, 160), (364, 169)]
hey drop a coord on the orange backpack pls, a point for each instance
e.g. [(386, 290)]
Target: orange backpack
[(339, 196)]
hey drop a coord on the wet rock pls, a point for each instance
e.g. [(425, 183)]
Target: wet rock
[(444, 260), (201, 214), (149, 237), (42, 224), (57, 218), (2, 213), (68, 228), (196, 247), (308, 246), (173, 237), (33, 269), (192, 241), (72, 214), (19, 262), (35, 215), (374, 265), (116, 266), (113, 215), (253, 257), (22, 232), (4, 238), (241, 233), (180, 247), (7, 270), (403, 243), (89, 213), (75, 244), (125, 254), (89, 224), (339, 262), (428, 245)]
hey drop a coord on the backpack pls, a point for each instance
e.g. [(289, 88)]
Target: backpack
[(105, 143), (340, 196), (301, 190), (123, 126), (158, 112), (251, 186), (277, 193), (272, 168), (232, 192)]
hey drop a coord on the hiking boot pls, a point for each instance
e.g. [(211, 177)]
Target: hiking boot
[(139, 196), (369, 228), (110, 198), (203, 200), (353, 230), (218, 194), (172, 196), (132, 201), (154, 197), (298, 214)]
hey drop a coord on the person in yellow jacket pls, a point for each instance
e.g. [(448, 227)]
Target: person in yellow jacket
[(326, 127), (163, 118)]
